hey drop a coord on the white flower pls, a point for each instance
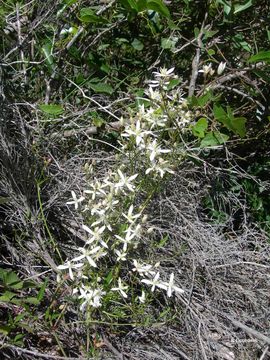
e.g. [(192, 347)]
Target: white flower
[(121, 256), (75, 201), (127, 239), (86, 253), (163, 77), (221, 67), (155, 283), (155, 150), (97, 293), (160, 167), (91, 297), (121, 288), (96, 235), (171, 287), (130, 217), (163, 73), (136, 231), (141, 112), (154, 95), (70, 266), (102, 218), (135, 131), (142, 269), (207, 69), (156, 119), (97, 189), (125, 181), (109, 203), (142, 297)]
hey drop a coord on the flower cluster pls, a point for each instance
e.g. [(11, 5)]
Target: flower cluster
[(114, 224)]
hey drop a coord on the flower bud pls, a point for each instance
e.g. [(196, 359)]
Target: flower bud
[(221, 67), (144, 219)]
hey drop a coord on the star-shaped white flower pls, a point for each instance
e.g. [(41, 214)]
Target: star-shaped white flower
[(136, 131), (155, 283), (142, 269), (127, 239), (91, 297), (87, 254), (70, 266), (207, 69), (160, 167), (155, 150), (163, 73), (97, 189), (135, 231), (121, 288), (75, 200), (96, 235), (102, 218), (171, 287), (130, 216), (121, 255), (125, 181)]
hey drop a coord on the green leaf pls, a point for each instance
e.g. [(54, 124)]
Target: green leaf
[(213, 138), (261, 56), (211, 52), (7, 296), (52, 109), (41, 292), (32, 300), (204, 99), (158, 6), (5, 329), (12, 280), (227, 7), (235, 124), (219, 112), (166, 43), (239, 126), (109, 278), (130, 4), (141, 5), (17, 285), (137, 44), (47, 50), (241, 7), (105, 68), (98, 121), (18, 340), (173, 83), (101, 88), (27, 327), (19, 317), (70, 2), (209, 33), (221, 138), (200, 127), (29, 284), (87, 15), (162, 241), (262, 74)]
